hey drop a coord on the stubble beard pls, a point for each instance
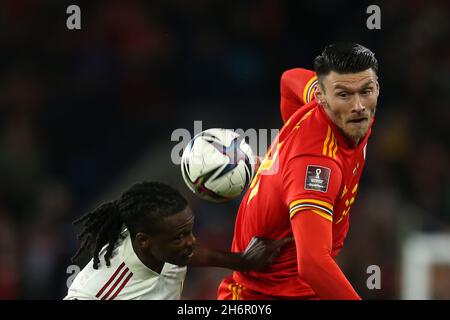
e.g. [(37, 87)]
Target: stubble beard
[(354, 137)]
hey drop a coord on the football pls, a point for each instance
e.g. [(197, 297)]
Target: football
[(218, 165)]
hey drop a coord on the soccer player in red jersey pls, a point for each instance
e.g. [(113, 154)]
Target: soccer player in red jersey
[(308, 180)]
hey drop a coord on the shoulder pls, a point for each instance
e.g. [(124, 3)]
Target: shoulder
[(311, 135), (175, 271), (299, 81), (98, 283), (297, 74)]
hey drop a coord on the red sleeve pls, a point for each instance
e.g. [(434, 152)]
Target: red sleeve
[(313, 239), (311, 185), (297, 88)]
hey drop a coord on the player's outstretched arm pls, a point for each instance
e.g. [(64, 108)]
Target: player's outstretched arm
[(313, 238), (258, 255)]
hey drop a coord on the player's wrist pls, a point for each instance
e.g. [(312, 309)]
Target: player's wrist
[(242, 265)]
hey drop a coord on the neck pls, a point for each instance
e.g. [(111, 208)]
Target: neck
[(352, 140), (147, 259)]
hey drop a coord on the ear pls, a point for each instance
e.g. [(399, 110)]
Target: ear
[(143, 240), (378, 87), (319, 94)]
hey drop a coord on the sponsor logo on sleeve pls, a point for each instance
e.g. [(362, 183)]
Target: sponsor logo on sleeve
[(317, 178)]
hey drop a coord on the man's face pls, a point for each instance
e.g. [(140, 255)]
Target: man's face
[(350, 101), (175, 242)]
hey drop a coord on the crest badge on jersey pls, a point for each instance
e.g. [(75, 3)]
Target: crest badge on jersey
[(317, 178)]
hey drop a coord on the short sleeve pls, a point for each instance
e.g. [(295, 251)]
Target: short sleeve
[(311, 183)]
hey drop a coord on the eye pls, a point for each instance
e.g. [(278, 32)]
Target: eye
[(343, 94), (178, 237), (181, 236), (367, 92)]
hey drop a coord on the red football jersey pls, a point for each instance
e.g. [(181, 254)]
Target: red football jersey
[(297, 87), (309, 166)]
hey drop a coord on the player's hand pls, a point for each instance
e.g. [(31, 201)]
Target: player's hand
[(261, 252)]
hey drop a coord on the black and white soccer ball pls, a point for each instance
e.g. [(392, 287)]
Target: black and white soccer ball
[(218, 165)]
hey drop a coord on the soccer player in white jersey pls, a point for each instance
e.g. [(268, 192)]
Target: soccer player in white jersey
[(141, 243)]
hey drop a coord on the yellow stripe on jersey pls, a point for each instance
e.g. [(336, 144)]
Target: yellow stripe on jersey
[(310, 204), (241, 288), (316, 211), (288, 121), (306, 116), (349, 202), (355, 188), (308, 88), (254, 191), (231, 288), (314, 201), (325, 144), (343, 215), (236, 291), (330, 146), (344, 192), (323, 215), (335, 149), (269, 160)]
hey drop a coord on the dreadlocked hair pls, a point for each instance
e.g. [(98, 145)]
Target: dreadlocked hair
[(139, 209), (99, 227)]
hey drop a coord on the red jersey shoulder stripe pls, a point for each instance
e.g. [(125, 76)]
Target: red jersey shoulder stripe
[(110, 280), (121, 286), (116, 283)]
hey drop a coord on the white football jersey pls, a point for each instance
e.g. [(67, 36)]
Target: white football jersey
[(126, 278)]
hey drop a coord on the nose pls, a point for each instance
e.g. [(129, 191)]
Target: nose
[(191, 241), (358, 105)]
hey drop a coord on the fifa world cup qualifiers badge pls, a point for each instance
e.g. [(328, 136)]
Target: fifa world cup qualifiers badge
[(317, 178)]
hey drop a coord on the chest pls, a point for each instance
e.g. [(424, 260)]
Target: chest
[(352, 166)]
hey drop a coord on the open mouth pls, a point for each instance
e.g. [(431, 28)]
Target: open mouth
[(189, 255), (358, 121)]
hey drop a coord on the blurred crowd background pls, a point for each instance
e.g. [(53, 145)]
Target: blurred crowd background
[(85, 113)]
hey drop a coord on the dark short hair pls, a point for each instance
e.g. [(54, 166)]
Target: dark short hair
[(344, 58)]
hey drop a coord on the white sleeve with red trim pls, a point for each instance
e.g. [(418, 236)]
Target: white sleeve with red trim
[(311, 183)]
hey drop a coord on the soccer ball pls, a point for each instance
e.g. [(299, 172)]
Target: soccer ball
[(217, 165)]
